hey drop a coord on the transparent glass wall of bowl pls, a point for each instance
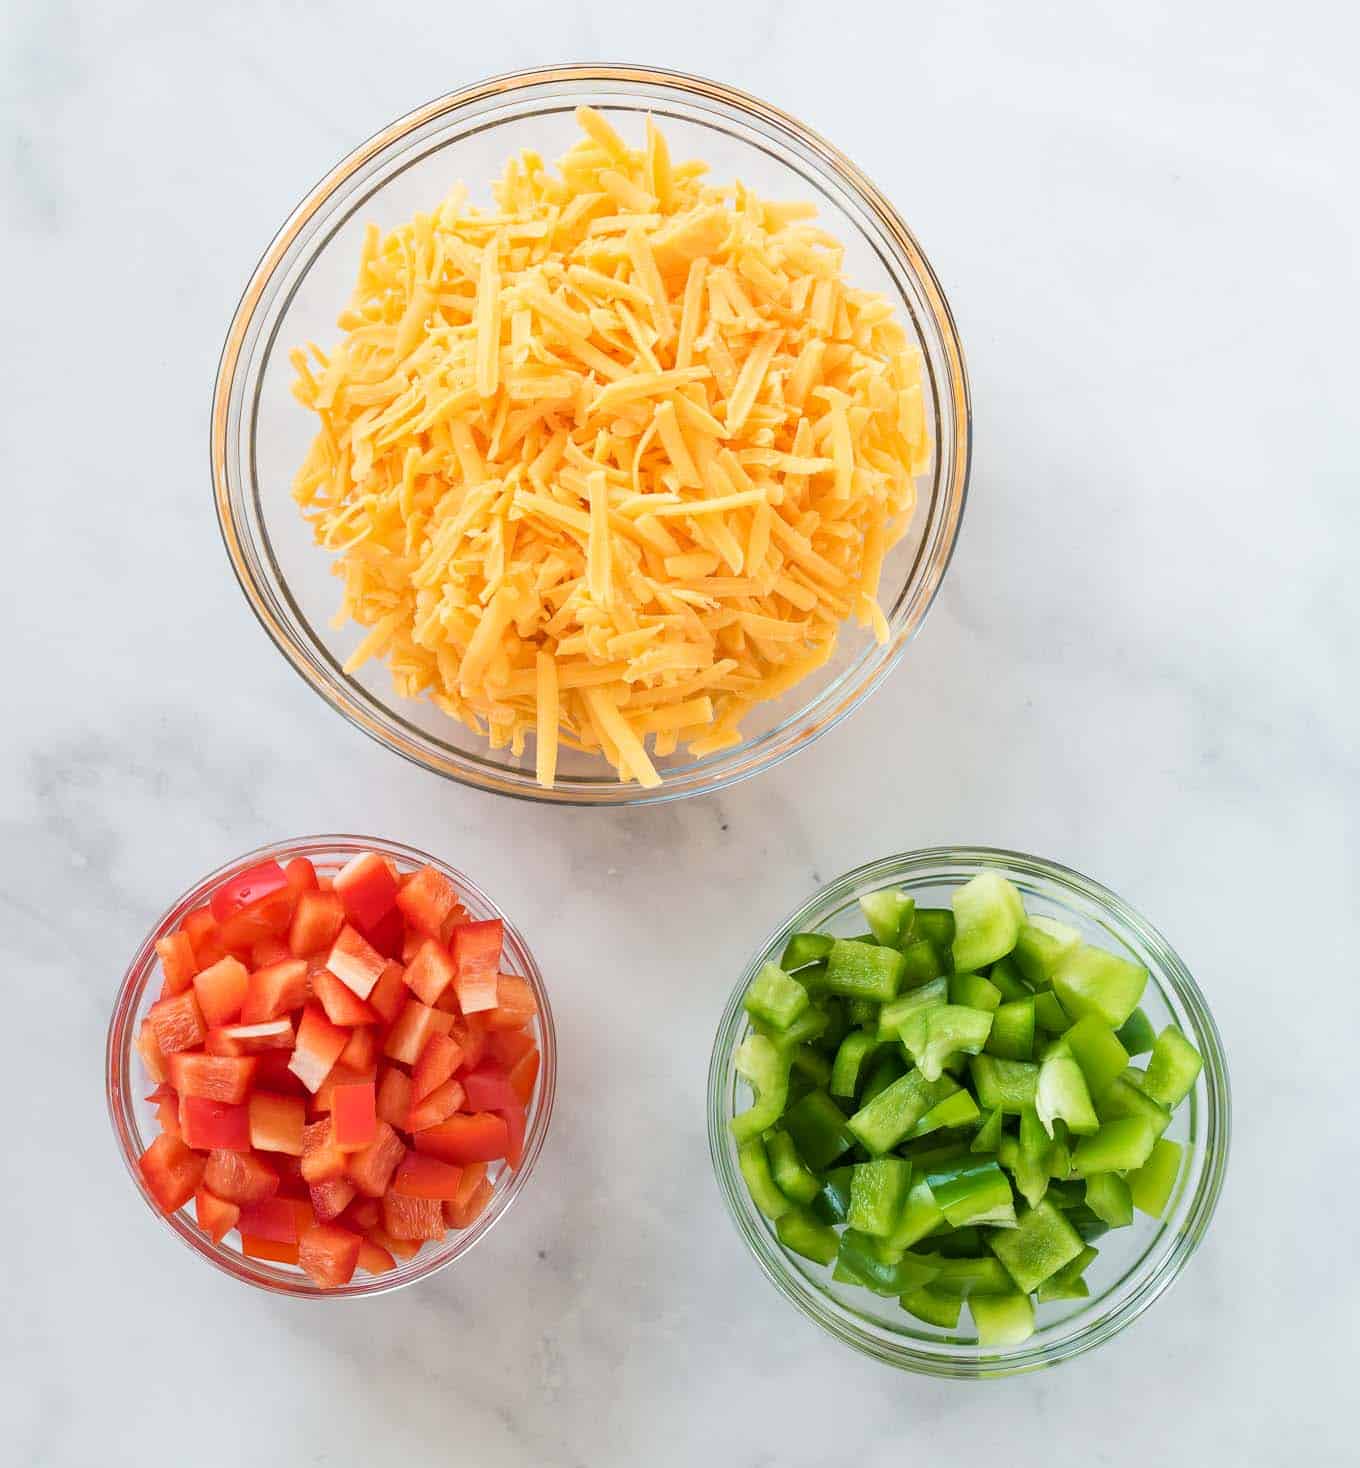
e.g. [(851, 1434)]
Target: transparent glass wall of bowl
[(1135, 1264), (134, 1120), (261, 434)]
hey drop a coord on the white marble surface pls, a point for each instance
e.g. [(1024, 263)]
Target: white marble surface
[(1143, 663)]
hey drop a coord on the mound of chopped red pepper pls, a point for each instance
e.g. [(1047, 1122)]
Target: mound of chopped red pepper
[(336, 1061)]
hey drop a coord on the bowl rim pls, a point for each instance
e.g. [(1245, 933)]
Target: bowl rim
[(1152, 1278), (120, 1074), (934, 556)]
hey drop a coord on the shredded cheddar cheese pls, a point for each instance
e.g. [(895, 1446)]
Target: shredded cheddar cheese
[(613, 460)]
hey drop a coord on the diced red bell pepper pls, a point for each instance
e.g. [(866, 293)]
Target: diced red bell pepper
[(178, 963), (488, 1088), (167, 1108), (272, 1073), (412, 1218), (221, 990), (317, 1048), (214, 1077), (524, 1076), (426, 900), (178, 1023), (301, 874), (430, 971), (277, 1122), (273, 1034), (482, 1137), (354, 1116), (371, 1170), (257, 1248), (240, 1177), (171, 1172), (367, 888), (506, 1047), (401, 1248), (247, 888), (363, 1214), (412, 1030), (394, 1096), (149, 1049), (331, 1198), (281, 1219), (471, 1034), (439, 1059), (515, 1003), (317, 921), (374, 1259), (342, 1005), (389, 995), (355, 961), (292, 1184), (272, 992), (321, 1158), (477, 954), (388, 936), (438, 1106), (216, 1217), (463, 1215), (340, 1076), (205, 1124), (361, 1052), (328, 1254), (513, 1116), (268, 951), (426, 1177), (200, 928), (268, 918)]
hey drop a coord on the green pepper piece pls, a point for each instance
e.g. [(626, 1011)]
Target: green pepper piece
[(975, 992), (1119, 1146), (812, 976), (837, 1025), (1049, 1014), (928, 996), (1096, 1049), (817, 1126), (1002, 1320), (755, 1168), (766, 1069), (988, 912), (1008, 1085), (972, 1190), (1042, 945), (1092, 981), (887, 1119), (1086, 1223), (1004, 975), (1067, 1283), (1108, 1197), (988, 1134), (813, 1064), (805, 948), (1042, 1241), (958, 1243), (1060, 1158), (1136, 1034), (956, 1110), (1061, 1093), (791, 1175), (864, 970), (1151, 1185), (964, 1278), (889, 914), (808, 1026), (932, 1035), (933, 1306), (864, 1260), (936, 926), (832, 1203), (1032, 1161), (1172, 1068), (920, 1214), (878, 1192), (800, 1232), (1012, 1036), (1067, 1195), (775, 997), (921, 962), (1125, 1097), (855, 1051), (883, 1071)]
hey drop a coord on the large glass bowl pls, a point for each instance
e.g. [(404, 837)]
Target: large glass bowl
[(1135, 1264), (260, 434), (134, 1122)]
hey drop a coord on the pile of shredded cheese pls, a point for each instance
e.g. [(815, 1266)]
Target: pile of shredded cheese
[(612, 461)]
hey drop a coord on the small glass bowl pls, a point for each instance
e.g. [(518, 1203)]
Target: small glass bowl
[(260, 435), (1135, 1264), (134, 1124)]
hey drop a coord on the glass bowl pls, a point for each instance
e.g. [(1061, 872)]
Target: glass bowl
[(260, 434), (1135, 1264), (133, 1118)]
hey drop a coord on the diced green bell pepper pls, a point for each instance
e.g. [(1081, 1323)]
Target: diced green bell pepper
[(920, 1215), (1038, 1246), (838, 1024), (1125, 1097), (1004, 976), (1002, 1320), (1136, 1034), (936, 925), (1119, 1146), (1049, 1014), (864, 1260), (1012, 1036), (813, 1064), (878, 1191), (1062, 1094), (1032, 1168), (812, 976), (791, 1175), (1041, 946), (858, 1047), (883, 1071), (1172, 1068), (755, 1168), (988, 1135), (801, 1232), (934, 1306), (775, 997), (766, 1069), (928, 996), (817, 1126), (832, 1203), (1007, 1085), (1107, 1196), (1086, 1223), (809, 1025), (805, 948), (921, 962), (932, 1035), (864, 971), (974, 992), (889, 1117), (1096, 1048), (1093, 981), (889, 914), (967, 1277), (988, 912), (973, 1190), (1067, 1283), (1151, 1185), (956, 1243), (957, 1110)]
